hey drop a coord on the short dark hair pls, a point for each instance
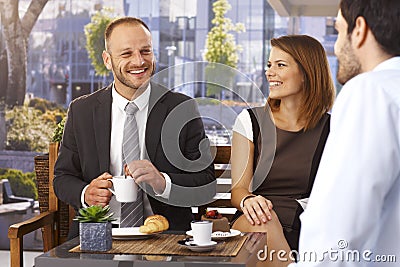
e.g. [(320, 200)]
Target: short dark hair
[(119, 21), (381, 16)]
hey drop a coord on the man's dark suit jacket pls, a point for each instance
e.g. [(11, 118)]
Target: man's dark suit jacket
[(85, 150)]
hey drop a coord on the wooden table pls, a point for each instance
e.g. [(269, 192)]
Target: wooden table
[(60, 257)]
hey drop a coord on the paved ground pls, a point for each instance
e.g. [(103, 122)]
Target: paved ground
[(29, 257)]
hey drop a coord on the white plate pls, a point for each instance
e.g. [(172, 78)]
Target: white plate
[(220, 235), (198, 248), (128, 233)]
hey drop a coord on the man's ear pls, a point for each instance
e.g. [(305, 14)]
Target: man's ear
[(360, 31), (106, 60)]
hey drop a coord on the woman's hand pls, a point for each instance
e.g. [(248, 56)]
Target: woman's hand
[(257, 210)]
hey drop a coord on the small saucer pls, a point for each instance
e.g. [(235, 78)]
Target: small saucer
[(189, 243), (220, 235)]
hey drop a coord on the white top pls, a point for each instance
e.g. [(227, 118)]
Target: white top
[(354, 207), (117, 125), (243, 125)]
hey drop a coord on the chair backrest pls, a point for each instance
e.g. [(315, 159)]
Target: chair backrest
[(222, 160), (222, 201), (7, 191), (223, 154), (8, 195), (44, 169)]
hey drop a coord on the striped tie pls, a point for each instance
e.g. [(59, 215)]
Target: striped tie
[(131, 212)]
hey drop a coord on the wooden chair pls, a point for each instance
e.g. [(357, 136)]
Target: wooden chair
[(222, 200), (55, 216)]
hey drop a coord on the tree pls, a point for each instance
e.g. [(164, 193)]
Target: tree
[(221, 46), (94, 32), (13, 55)]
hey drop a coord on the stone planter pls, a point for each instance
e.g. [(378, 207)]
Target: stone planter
[(95, 236)]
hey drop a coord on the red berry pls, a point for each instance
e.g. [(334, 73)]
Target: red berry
[(211, 214)]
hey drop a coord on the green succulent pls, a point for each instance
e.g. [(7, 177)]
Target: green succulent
[(95, 214)]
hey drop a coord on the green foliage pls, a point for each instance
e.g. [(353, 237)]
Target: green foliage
[(94, 32), (58, 132), (206, 101), (219, 77), (43, 104), (22, 184), (94, 214), (30, 129), (221, 46)]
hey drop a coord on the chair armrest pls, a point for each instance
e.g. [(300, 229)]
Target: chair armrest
[(18, 230)]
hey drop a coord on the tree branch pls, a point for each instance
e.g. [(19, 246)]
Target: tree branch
[(31, 15)]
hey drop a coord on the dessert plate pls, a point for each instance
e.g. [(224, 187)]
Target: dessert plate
[(129, 233), (220, 235), (189, 243)]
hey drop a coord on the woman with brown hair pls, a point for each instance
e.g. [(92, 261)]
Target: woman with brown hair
[(276, 149)]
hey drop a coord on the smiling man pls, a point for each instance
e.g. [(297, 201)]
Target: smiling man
[(353, 214), (95, 137)]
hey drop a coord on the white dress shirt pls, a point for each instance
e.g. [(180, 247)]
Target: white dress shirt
[(117, 126), (354, 207)]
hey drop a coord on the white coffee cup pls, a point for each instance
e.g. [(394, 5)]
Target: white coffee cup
[(125, 189), (201, 231)]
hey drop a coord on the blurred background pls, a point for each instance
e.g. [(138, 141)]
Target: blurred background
[(51, 65)]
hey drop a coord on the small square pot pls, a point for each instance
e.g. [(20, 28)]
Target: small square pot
[(95, 236)]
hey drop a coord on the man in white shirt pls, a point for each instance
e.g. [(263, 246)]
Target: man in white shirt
[(91, 149), (353, 214)]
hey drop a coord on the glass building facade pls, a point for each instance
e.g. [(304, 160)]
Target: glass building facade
[(60, 70)]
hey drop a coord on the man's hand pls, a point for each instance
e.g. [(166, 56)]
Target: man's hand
[(145, 171), (97, 192)]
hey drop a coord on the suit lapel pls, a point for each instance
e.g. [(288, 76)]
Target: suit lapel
[(102, 128), (156, 116)]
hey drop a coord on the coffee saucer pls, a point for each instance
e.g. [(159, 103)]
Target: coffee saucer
[(220, 235), (189, 243)]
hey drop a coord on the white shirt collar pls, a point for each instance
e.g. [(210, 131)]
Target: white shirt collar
[(390, 63), (141, 101)]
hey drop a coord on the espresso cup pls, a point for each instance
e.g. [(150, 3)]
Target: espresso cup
[(124, 189), (201, 231)]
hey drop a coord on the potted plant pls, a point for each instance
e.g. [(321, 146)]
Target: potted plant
[(95, 230)]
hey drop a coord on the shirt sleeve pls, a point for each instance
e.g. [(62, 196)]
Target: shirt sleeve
[(167, 189), (83, 203), (243, 125), (355, 173)]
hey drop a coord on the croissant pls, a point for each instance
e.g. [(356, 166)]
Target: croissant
[(153, 224)]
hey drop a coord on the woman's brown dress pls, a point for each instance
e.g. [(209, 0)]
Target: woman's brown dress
[(293, 167)]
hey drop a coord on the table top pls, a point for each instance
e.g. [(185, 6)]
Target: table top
[(60, 257)]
